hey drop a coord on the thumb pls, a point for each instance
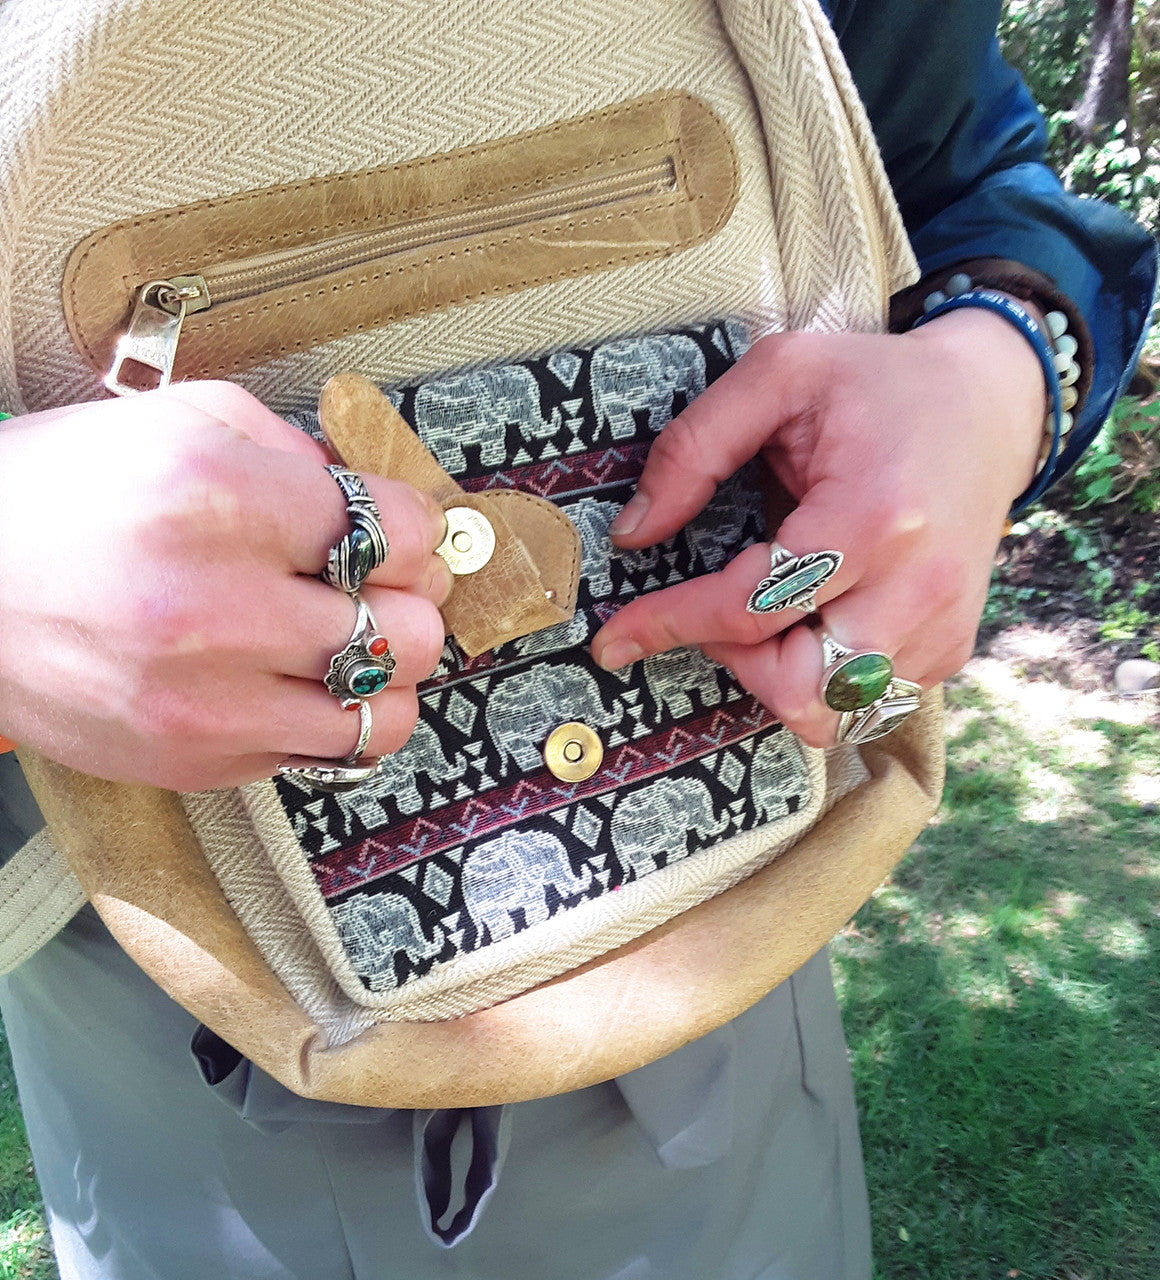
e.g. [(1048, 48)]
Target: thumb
[(727, 425)]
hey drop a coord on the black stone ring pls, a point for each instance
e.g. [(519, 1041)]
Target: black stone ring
[(361, 551)]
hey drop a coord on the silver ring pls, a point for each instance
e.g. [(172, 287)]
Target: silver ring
[(337, 775), (853, 679), (364, 665), (365, 547), (793, 581), (900, 700)]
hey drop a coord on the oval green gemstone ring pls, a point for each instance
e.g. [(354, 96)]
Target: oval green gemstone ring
[(852, 679)]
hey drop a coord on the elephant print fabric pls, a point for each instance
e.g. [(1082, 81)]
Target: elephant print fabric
[(466, 838)]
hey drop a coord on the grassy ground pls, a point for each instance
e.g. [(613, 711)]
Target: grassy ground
[(24, 1249), (1002, 1003)]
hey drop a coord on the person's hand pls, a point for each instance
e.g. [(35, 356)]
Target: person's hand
[(160, 620), (904, 453)]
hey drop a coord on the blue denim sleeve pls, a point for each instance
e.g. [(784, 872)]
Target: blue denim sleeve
[(963, 143)]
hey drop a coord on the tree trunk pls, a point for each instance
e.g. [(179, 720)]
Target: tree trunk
[(1105, 98)]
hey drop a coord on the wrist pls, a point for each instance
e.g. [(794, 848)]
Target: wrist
[(999, 373)]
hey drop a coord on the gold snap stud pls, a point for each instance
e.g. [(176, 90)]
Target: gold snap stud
[(573, 752), (469, 542)]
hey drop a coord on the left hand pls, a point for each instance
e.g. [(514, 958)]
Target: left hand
[(904, 452)]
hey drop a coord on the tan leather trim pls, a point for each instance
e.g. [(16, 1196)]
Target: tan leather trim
[(533, 576), (673, 129), (134, 852)]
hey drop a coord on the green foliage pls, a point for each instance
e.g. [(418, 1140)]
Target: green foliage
[(1122, 460), (1047, 40)]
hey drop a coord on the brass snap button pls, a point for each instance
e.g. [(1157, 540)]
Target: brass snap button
[(573, 752), (469, 542)]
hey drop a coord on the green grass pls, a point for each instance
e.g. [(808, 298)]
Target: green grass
[(1002, 1004), (25, 1253)]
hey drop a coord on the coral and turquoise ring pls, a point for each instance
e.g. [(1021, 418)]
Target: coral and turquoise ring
[(365, 664), (793, 581), (853, 679)]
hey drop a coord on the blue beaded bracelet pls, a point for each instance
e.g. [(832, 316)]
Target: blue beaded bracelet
[(1011, 311)]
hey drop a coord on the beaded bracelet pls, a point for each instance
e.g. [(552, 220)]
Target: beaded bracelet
[(1055, 349)]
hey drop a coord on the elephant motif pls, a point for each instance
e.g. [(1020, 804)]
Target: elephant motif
[(477, 408), (523, 709), (422, 754), (644, 374), (374, 926), (778, 774), (716, 534), (658, 818), (513, 871), (673, 675), (564, 635), (592, 518)]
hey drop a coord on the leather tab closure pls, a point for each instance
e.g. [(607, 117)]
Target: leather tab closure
[(531, 580)]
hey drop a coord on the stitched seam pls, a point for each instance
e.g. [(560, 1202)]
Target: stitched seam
[(495, 290), (478, 151)]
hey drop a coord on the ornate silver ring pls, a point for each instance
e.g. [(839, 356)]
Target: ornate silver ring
[(337, 775), (365, 547), (793, 581), (364, 665), (881, 717)]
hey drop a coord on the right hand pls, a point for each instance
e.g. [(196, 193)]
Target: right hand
[(160, 617)]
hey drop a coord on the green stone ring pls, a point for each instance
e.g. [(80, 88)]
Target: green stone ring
[(852, 679), (365, 664)]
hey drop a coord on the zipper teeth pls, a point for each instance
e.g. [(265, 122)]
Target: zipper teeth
[(236, 280)]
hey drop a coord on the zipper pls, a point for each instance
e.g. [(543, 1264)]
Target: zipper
[(161, 306)]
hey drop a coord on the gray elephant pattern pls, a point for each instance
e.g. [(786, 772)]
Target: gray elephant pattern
[(777, 776), (653, 822), (635, 375), (674, 675), (524, 708), (374, 927), (512, 874), (477, 409), (422, 755)]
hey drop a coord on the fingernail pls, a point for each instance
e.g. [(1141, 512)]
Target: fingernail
[(631, 514), (620, 653)]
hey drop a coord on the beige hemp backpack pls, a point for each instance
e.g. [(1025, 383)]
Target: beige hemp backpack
[(543, 228)]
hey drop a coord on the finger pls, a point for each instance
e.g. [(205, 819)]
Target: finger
[(309, 722), (785, 675), (323, 622), (241, 411), (710, 608), (703, 609), (778, 380)]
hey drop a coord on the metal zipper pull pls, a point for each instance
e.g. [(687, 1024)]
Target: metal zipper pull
[(151, 340)]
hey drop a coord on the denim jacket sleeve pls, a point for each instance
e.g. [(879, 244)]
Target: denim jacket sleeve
[(963, 144)]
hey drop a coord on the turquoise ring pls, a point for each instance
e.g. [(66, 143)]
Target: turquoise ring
[(793, 581), (364, 665)]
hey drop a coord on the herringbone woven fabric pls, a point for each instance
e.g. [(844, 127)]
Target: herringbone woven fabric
[(100, 97)]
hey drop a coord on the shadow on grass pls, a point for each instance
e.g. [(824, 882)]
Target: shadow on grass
[(1002, 1003)]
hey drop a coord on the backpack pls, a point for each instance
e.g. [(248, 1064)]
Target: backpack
[(543, 231)]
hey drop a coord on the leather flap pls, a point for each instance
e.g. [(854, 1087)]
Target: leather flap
[(532, 578)]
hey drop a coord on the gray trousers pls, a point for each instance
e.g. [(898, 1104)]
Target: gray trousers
[(735, 1158)]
